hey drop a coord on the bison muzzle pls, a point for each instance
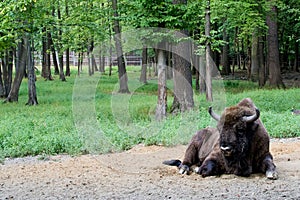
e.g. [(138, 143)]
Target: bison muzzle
[(239, 145)]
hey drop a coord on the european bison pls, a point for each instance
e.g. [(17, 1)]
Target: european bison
[(239, 145)]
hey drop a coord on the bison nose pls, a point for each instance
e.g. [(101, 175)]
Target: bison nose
[(226, 148)]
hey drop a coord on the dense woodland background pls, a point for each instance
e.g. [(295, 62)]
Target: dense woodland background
[(259, 36), (251, 40)]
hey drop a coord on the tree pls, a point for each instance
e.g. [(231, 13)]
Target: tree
[(60, 44), (161, 107), (143, 77), (123, 79), (182, 74), (32, 97), (273, 48), (7, 68), (13, 95), (46, 63), (254, 56), (225, 54), (209, 66)]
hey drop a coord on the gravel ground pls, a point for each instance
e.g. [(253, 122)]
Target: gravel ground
[(139, 174)]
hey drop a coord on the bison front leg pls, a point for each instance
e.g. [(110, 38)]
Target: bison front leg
[(208, 168), (269, 167), (190, 157)]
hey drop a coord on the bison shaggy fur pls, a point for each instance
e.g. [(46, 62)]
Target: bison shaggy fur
[(238, 145)]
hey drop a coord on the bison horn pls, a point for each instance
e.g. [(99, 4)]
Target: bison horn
[(213, 114), (252, 118)]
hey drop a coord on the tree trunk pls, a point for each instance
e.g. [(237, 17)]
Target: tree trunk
[(161, 108), (196, 63), (209, 64), (182, 73), (59, 49), (123, 79), (90, 57), (101, 60), (202, 72), (182, 76), (13, 95), (46, 63), (78, 64), (110, 62), (297, 58), (110, 57), (61, 67), (55, 63), (225, 54), (262, 67), (1, 83), (273, 49), (94, 64), (169, 62), (7, 68), (44, 73), (143, 77), (68, 71), (254, 57), (32, 97)]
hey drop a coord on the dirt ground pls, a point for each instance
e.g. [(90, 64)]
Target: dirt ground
[(139, 174)]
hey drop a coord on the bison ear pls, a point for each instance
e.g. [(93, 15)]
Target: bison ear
[(213, 114), (252, 118)]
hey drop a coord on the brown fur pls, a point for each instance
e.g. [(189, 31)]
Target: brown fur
[(249, 142)]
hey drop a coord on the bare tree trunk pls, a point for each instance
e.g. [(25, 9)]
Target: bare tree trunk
[(94, 64), (143, 77), (225, 54), (101, 67), (1, 83), (68, 71), (123, 79), (182, 76), (13, 95), (32, 97), (297, 58), (254, 56), (161, 108), (46, 43), (110, 50), (273, 49), (44, 54), (90, 57), (59, 49), (262, 67), (7, 67), (208, 79), (196, 63), (55, 63), (169, 62), (110, 58), (182, 73), (202, 72), (78, 64)]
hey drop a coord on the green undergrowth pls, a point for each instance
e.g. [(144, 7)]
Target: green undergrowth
[(97, 119)]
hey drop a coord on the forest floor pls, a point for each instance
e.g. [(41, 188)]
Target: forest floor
[(140, 174), (290, 79)]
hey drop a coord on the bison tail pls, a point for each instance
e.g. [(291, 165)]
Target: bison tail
[(176, 163)]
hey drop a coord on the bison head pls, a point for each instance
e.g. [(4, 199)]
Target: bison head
[(236, 126)]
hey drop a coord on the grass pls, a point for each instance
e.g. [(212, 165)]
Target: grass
[(87, 115)]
